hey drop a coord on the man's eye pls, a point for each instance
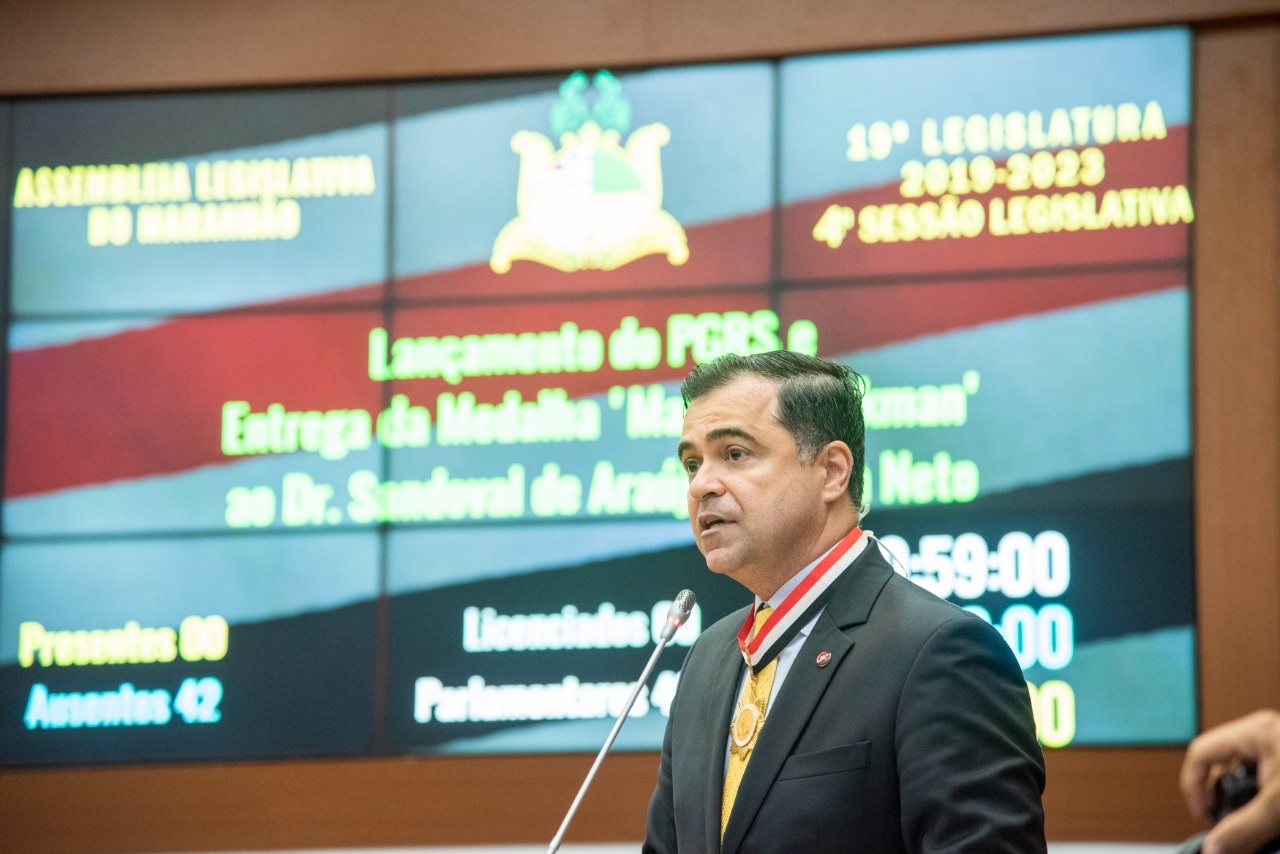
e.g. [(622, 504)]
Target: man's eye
[(736, 453), (691, 466)]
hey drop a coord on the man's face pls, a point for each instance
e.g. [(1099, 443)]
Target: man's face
[(755, 507)]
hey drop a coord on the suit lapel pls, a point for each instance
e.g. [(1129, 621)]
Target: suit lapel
[(850, 604), (859, 587)]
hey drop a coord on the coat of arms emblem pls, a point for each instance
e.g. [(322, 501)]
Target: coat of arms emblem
[(593, 203)]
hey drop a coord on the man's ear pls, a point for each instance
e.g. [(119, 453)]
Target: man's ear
[(836, 461)]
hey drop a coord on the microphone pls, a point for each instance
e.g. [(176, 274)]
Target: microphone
[(677, 614)]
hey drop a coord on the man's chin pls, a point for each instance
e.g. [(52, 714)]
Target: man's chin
[(721, 563)]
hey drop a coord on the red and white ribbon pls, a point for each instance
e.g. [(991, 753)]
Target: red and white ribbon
[(800, 605)]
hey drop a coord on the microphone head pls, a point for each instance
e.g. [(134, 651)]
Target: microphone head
[(683, 605), (678, 613)]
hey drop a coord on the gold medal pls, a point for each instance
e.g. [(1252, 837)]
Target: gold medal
[(745, 724)]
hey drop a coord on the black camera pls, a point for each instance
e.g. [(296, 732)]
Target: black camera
[(1230, 792), (1233, 790)]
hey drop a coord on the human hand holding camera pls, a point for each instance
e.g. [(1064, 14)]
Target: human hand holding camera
[(1218, 785)]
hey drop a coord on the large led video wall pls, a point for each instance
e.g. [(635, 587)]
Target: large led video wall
[(342, 421)]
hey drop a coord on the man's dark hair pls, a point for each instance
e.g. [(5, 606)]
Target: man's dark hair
[(818, 401)]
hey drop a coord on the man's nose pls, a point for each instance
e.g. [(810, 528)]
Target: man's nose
[(705, 482)]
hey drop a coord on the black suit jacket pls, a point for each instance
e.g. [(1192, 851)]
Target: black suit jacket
[(917, 736)]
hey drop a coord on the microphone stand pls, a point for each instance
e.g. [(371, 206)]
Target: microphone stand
[(613, 734)]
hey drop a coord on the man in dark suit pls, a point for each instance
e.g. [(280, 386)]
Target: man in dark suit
[(854, 711)]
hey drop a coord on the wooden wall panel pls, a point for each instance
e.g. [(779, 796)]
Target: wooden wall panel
[(109, 45), (1237, 367), (1120, 794)]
